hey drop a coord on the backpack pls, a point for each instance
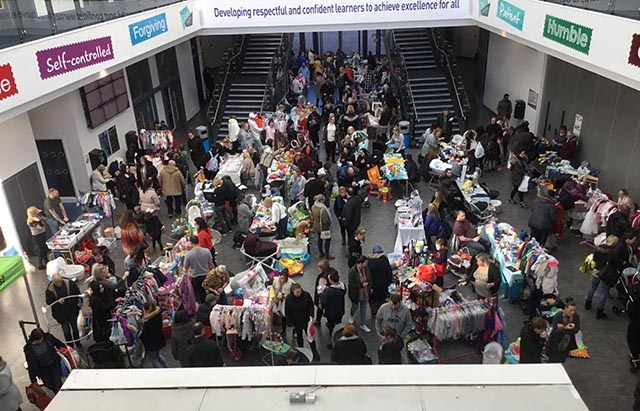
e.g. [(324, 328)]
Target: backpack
[(445, 230), (213, 163)]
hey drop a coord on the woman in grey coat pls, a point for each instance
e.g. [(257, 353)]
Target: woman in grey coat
[(245, 215)]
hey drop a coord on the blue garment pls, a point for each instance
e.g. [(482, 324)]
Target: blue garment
[(431, 225)]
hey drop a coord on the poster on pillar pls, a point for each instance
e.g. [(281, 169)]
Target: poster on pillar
[(577, 125), (256, 13)]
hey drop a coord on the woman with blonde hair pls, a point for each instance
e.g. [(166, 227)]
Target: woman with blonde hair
[(432, 224), (607, 262), (322, 225), (38, 229), (248, 170)]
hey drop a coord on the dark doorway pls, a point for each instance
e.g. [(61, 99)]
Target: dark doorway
[(56, 168)]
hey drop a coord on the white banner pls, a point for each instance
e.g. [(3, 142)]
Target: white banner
[(259, 13)]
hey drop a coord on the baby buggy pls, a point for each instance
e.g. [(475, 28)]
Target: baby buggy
[(363, 189), (628, 287), (549, 305)]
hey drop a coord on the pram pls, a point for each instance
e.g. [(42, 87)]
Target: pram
[(628, 287), (363, 190), (104, 355), (549, 305)]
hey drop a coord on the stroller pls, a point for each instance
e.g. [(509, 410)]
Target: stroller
[(104, 355), (628, 287), (363, 190), (549, 305)]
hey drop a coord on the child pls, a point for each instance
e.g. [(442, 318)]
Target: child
[(440, 261), (154, 229), (405, 260)]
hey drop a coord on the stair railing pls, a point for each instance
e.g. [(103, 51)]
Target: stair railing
[(278, 82), (223, 82), (400, 79), (446, 60)]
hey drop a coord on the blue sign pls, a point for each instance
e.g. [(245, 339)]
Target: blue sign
[(148, 28), (511, 14)]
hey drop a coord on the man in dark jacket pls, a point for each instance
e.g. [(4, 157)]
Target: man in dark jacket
[(64, 309), (203, 352), (332, 299), (346, 175), (504, 108), (543, 216), (42, 359), (204, 310), (196, 150), (352, 212), (298, 312), (312, 188), (381, 277), (350, 349)]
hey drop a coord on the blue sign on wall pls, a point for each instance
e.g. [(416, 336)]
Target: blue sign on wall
[(148, 28), (510, 14)]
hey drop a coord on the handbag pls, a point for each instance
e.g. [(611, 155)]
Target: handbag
[(37, 396), (609, 275), (325, 234), (524, 184)]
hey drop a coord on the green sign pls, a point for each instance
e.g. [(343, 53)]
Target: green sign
[(568, 34), (511, 14)]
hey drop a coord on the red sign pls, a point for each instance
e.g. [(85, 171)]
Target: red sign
[(634, 53), (8, 86)]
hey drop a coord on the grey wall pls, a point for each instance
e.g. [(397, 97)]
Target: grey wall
[(610, 128)]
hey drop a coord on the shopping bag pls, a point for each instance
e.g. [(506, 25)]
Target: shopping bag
[(311, 331), (37, 396), (524, 184)]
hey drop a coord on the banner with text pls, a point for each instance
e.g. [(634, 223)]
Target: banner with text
[(258, 13)]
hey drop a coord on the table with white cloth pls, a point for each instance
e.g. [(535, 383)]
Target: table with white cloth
[(410, 225), (69, 236), (231, 167)]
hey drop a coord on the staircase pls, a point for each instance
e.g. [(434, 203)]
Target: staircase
[(428, 84), (246, 91)]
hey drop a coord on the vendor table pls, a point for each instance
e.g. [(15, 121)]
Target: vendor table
[(410, 227), (231, 167), (67, 238)]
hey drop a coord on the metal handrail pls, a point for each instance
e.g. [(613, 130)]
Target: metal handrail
[(225, 81), (400, 74), (407, 83), (451, 76), (279, 65)]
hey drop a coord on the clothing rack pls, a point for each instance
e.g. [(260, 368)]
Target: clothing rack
[(600, 209), (155, 140), (99, 200), (246, 322)]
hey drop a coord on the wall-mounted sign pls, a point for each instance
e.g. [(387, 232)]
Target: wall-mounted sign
[(484, 6), (568, 34), (510, 14), (186, 16), (8, 85), (149, 28), (577, 125), (109, 142), (64, 59), (634, 53), (532, 101)]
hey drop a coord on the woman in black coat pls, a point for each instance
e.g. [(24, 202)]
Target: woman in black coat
[(299, 309), (332, 299), (518, 171), (152, 336), (102, 302), (196, 150), (532, 338), (544, 216), (322, 281), (43, 360), (126, 184), (381, 278), (564, 326), (391, 346), (350, 349)]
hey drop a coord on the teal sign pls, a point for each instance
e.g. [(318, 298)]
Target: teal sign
[(510, 14)]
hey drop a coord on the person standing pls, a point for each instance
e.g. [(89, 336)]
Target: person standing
[(352, 212), (64, 298), (322, 225), (298, 312), (394, 314), (196, 150), (381, 278), (147, 171), (391, 347), (322, 282), (42, 359), (504, 108), (126, 184), (281, 290), (220, 197), (359, 291), (102, 303), (350, 349), (10, 397), (204, 237), (181, 336), (625, 199), (518, 171), (633, 332), (197, 263), (332, 299), (355, 246), (216, 281), (131, 233), (532, 339), (151, 335), (202, 352), (278, 217), (38, 229), (605, 258), (338, 207), (54, 210), (330, 138), (564, 326), (172, 182), (544, 215), (149, 199)]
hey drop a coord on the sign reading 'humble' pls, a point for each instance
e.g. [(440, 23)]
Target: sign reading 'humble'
[(568, 34)]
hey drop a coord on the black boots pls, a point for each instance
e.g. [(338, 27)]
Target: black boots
[(587, 304), (314, 350), (601, 315)]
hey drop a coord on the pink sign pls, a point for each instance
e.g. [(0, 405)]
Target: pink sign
[(60, 60)]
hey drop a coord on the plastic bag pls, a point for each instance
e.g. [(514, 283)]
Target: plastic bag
[(117, 335), (311, 331)]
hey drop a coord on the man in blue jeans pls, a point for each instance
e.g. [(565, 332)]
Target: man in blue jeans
[(468, 235)]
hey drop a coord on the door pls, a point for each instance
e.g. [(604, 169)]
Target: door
[(174, 106), (56, 168), (145, 112)]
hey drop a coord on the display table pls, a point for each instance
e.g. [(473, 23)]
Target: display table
[(67, 238), (408, 218), (231, 167)]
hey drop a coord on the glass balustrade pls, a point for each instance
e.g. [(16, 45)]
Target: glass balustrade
[(26, 20)]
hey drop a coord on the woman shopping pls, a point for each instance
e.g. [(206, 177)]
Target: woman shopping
[(564, 326), (38, 229), (322, 226), (607, 265), (281, 288), (102, 302), (486, 278), (151, 335), (204, 237), (149, 199), (131, 233), (216, 281), (518, 169), (42, 359), (298, 312), (359, 291)]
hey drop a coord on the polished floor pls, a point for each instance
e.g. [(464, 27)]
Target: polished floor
[(603, 380)]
